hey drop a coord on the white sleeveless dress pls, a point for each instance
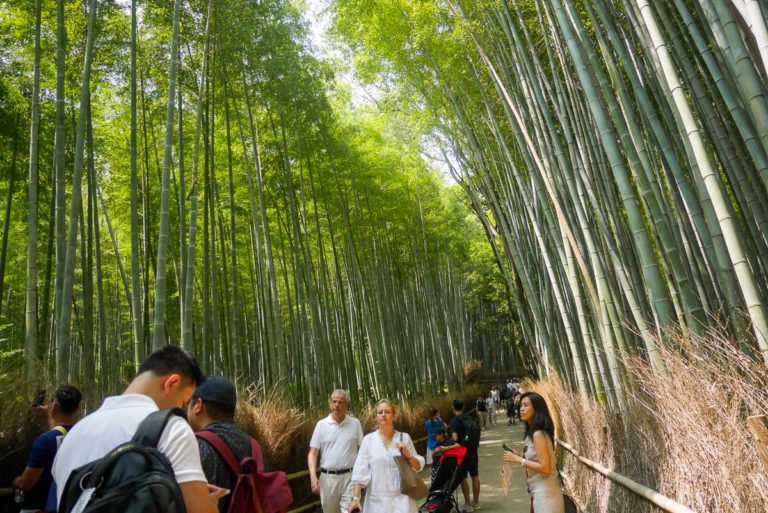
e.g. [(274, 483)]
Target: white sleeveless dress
[(546, 494)]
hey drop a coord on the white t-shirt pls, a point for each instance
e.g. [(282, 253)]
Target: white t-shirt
[(115, 423), (338, 443)]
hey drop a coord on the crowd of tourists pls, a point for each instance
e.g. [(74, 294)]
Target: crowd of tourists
[(169, 442)]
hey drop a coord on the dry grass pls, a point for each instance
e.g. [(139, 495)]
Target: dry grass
[(281, 427), (683, 433)]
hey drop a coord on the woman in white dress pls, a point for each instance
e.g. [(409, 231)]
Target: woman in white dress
[(375, 468)]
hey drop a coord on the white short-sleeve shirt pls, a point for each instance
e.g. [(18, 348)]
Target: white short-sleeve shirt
[(338, 443), (115, 423)]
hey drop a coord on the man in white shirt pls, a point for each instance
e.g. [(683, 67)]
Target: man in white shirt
[(336, 438), (166, 379)]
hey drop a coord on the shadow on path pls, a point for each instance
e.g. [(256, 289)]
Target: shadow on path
[(492, 498)]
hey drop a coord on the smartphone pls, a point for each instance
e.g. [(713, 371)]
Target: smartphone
[(39, 398), (509, 449)]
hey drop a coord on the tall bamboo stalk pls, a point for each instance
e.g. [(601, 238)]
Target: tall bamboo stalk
[(158, 324)]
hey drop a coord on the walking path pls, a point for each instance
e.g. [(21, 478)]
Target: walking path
[(492, 498)]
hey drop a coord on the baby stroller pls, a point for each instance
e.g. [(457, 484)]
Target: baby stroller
[(450, 474)]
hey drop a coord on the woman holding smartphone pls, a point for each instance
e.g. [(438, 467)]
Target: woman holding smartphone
[(538, 459), (375, 468)]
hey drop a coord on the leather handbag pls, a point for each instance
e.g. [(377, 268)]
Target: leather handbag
[(410, 482)]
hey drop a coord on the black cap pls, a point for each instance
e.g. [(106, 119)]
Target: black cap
[(218, 389), (458, 405)]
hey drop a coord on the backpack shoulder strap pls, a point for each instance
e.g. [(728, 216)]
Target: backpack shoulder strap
[(60, 429), (151, 428), (221, 448), (257, 455)]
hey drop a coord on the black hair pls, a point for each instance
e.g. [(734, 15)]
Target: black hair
[(433, 413), (68, 398), (217, 410), (542, 420), (172, 359)]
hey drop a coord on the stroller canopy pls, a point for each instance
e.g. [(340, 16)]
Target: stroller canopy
[(456, 452)]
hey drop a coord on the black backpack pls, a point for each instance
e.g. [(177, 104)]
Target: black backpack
[(134, 477), (471, 433)]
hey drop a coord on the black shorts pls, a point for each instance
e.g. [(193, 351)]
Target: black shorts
[(470, 463)]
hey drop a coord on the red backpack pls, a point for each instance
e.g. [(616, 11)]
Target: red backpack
[(255, 491)]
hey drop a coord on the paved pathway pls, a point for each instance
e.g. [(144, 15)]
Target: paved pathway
[(492, 498)]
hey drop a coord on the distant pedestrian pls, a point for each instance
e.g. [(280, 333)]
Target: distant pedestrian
[(335, 440), (491, 401), (482, 412), (538, 460), (510, 410), (431, 425)]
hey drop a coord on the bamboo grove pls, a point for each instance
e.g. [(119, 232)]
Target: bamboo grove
[(197, 177), (616, 153)]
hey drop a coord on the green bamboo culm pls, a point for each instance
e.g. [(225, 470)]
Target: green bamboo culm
[(65, 312), (159, 336), (31, 317)]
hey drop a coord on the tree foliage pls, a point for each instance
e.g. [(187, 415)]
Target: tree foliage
[(615, 153), (326, 251)]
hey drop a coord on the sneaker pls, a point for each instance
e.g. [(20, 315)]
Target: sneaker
[(468, 508), (476, 507)]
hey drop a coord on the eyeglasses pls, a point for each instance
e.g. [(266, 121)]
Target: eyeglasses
[(186, 404)]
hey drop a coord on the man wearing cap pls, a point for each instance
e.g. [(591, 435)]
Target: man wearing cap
[(212, 408), (336, 438)]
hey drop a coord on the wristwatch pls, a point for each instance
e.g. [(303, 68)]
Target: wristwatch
[(355, 498), (522, 462)]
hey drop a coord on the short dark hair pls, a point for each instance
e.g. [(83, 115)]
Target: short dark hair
[(172, 359), (217, 410), (458, 405), (68, 398), (542, 420)]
